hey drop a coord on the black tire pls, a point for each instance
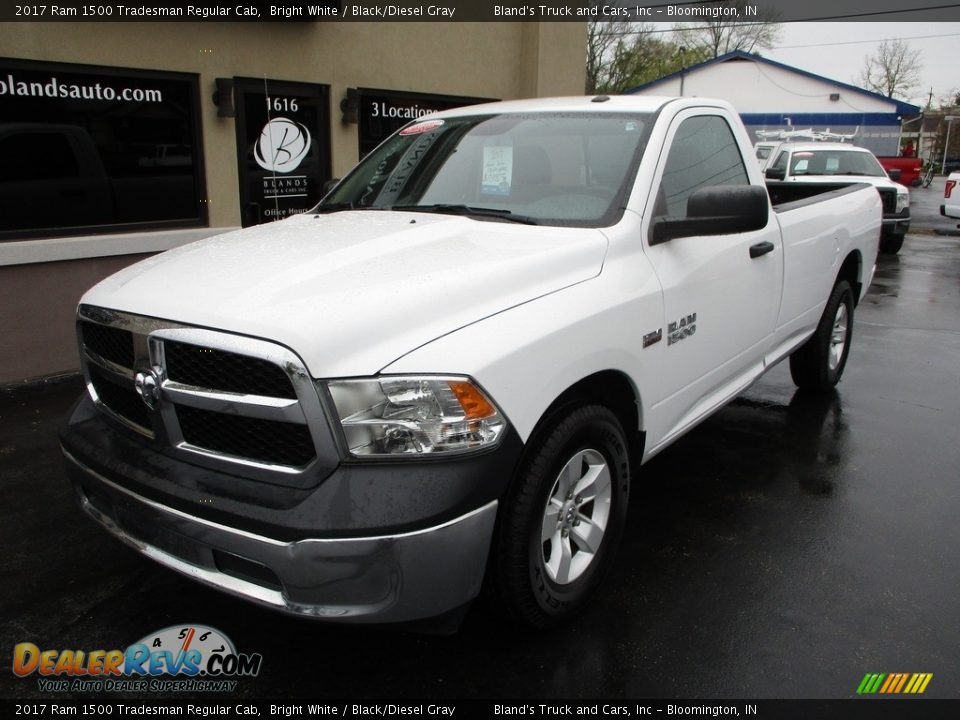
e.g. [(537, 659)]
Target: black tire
[(815, 365), (521, 582), (891, 244)]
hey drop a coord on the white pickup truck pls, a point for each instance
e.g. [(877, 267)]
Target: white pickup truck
[(820, 162), (951, 197), (451, 371)]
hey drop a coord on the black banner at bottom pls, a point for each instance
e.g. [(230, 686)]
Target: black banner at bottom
[(856, 709)]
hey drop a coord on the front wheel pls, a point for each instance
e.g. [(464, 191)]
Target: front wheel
[(818, 364), (562, 520), (891, 244)]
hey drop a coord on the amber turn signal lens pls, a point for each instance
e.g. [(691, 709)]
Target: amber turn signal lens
[(475, 405)]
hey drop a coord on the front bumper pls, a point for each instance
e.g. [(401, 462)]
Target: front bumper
[(896, 224), (407, 569)]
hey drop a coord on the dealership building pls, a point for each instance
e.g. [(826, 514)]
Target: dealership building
[(776, 100), (121, 140)]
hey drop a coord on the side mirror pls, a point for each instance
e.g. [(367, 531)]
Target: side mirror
[(894, 173), (775, 173), (717, 210)]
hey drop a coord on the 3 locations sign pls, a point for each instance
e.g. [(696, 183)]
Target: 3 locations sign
[(283, 147), (382, 112)]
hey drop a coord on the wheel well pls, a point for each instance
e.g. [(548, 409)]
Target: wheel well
[(851, 272), (612, 389)]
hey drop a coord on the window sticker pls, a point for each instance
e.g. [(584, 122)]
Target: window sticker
[(422, 127), (497, 170)]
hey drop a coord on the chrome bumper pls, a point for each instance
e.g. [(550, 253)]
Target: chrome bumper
[(382, 579)]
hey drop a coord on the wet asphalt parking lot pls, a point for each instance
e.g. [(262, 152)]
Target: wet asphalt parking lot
[(784, 548)]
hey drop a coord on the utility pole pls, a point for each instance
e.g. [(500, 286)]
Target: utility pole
[(930, 99), (946, 143)]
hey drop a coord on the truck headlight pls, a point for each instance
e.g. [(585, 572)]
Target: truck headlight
[(415, 415), (903, 201)]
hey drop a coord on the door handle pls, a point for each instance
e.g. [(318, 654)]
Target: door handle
[(761, 249)]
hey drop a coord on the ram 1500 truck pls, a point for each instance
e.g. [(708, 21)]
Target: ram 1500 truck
[(450, 371), (818, 162)]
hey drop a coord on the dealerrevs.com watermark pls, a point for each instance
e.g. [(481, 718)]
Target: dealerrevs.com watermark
[(180, 658)]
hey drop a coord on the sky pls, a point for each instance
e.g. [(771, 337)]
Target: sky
[(823, 55), (941, 70)]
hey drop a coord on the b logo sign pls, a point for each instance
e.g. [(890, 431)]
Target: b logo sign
[(282, 145)]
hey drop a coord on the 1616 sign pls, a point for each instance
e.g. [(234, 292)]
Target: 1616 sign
[(283, 142)]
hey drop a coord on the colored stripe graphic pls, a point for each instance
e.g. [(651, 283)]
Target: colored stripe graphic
[(919, 683), (870, 683), (894, 683), (891, 680)]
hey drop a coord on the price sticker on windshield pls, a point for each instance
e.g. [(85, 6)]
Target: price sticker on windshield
[(497, 170)]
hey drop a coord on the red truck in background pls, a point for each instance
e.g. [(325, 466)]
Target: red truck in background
[(910, 168)]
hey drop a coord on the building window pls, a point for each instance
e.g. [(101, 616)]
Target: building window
[(87, 149)]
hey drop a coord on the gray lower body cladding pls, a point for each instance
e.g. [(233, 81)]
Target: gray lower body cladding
[(372, 542)]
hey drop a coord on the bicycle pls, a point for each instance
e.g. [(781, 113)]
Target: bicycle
[(928, 175)]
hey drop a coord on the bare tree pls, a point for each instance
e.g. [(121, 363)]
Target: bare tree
[(725, 34), (622, 55), (893, 70), (602, 41)]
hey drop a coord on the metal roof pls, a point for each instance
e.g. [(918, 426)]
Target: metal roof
[(902, 108)]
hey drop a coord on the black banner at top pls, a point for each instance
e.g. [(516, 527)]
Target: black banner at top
[(692, 11)]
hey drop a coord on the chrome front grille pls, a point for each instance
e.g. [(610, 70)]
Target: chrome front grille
[(119, 398), (222, 400), (209, 368), (268, 441), (888, 197), (108, 343)]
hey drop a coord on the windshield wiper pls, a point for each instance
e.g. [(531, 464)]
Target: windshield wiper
[(454, 209)]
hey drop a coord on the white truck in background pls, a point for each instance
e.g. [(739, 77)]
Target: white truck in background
[(452, 369), (951, 197), (822, 163)]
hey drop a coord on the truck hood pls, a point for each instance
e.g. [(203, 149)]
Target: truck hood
[(351, 292)]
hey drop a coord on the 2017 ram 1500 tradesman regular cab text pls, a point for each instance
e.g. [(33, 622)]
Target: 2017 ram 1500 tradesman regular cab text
[(450, 371)]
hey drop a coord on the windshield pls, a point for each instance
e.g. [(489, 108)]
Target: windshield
[(835, 162), (763, 152), (542, 168)]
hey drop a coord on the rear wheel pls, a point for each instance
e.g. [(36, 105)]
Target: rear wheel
[(562, 520), (818, 364)]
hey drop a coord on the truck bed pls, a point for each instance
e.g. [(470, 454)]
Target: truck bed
[(785, 196)]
